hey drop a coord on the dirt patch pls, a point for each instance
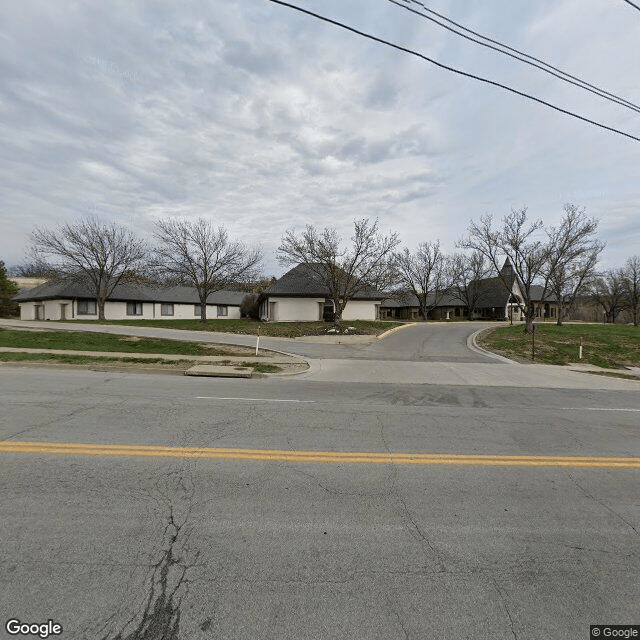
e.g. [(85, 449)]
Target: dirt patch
[(228, 349)]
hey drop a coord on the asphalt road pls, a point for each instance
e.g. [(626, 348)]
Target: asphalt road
[(421, 343), (151, 543)]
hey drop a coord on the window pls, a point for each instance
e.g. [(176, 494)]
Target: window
[(86, 307), (223, 310), (166, 309), (134, 308)]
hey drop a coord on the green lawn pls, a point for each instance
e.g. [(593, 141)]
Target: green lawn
[(611, 346), (250, 327), (16, 356), (84, 341)]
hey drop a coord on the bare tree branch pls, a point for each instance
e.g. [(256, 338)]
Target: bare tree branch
[(468, 271), (195, 253), (630, 275), (90, 251), (426, 273), (609, 292), (572, 257), (365, 264)]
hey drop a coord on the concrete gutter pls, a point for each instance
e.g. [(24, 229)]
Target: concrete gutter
[(395, 329), (472, 343)]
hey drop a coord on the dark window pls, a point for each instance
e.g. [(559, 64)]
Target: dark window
[(166, 309), (223, 310), (86, 307), (134, 308)]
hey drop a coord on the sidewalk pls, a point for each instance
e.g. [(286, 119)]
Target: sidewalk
[(523, 376)]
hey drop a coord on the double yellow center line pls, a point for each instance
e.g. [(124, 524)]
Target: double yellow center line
[(333, 457)]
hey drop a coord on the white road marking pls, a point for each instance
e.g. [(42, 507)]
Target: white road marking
[(597, 409), (253, 399)]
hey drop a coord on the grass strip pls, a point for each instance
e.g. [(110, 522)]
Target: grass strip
[(250, 327), (608, 346), (77, 359), (88, 341), (258, 367)]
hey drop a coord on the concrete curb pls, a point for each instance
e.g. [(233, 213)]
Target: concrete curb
[(472, 344), (395, 329)]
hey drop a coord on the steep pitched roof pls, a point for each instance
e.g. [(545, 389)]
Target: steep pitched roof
[(492, 292), (129, 292), (303, 281)]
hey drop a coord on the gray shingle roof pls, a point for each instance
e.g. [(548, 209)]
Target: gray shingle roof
[(492, 292), (301, 281), (535, 293), (130, 292)]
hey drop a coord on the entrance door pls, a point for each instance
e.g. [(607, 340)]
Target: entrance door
[(63, 312), (328, 313), (272, 311), (39, 311)]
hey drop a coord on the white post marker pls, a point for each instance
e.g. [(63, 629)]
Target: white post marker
[(580, 349), (258, 340)]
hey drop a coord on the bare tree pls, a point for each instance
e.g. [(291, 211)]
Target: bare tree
[(196, 253), (572, 256), (537, 254), (468, 271), (520, 241), (609, 292), (630, 275), (90, 251), (35, 267), (364, 265), (426, 273)]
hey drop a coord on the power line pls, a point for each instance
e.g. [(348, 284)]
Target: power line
[(454, 70), (516, 55), (633, 4)]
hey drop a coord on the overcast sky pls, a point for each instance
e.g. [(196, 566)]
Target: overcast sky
[(264, 119)]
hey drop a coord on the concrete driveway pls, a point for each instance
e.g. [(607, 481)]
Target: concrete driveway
[(422, 342), (426, 353)]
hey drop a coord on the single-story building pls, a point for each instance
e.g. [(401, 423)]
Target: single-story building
[(67, 300), (498, 298), (299, 296)]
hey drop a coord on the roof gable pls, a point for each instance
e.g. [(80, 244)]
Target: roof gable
[(304, 281)]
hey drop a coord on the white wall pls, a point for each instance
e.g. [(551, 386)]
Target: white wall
[(308, 309), (51, 309), (115, 310), (296, 309), (360, 310)]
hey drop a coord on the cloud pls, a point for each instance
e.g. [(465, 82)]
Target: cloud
[(262, 119)]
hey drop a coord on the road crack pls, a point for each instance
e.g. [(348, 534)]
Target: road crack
[(602, 504), (506, 608), (414, 529), (168, 579)]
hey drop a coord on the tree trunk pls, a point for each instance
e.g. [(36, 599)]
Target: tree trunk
[(528, 326), (101, 303), (203, 309), (337, 315)]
